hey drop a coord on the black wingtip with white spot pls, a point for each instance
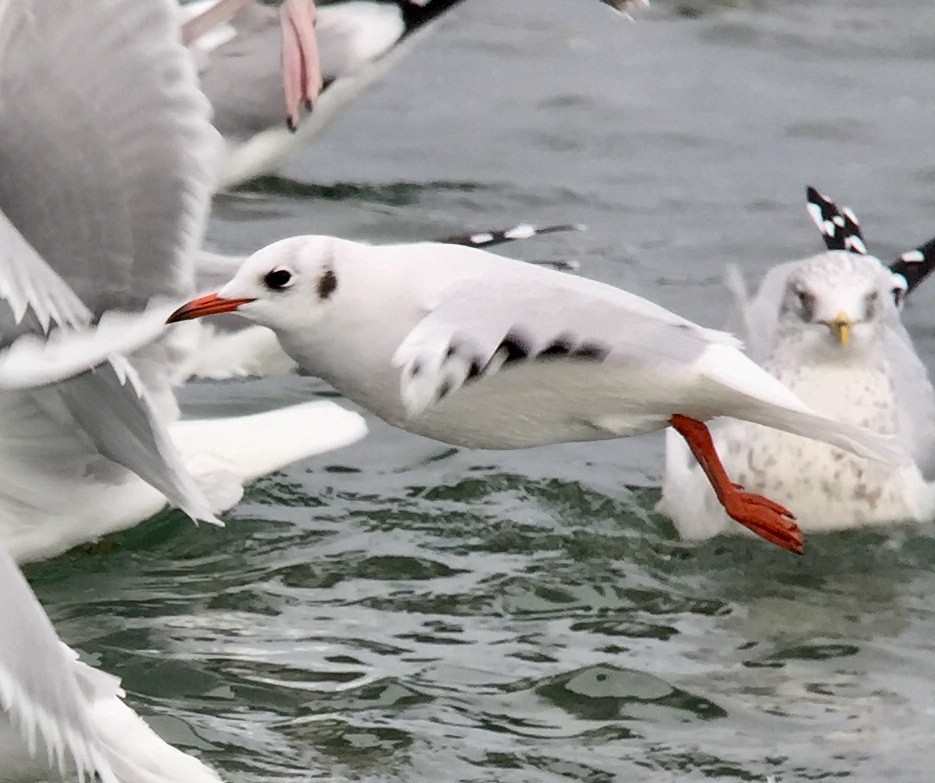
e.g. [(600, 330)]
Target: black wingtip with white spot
[(839, 227), (522, 231), (915, 265)]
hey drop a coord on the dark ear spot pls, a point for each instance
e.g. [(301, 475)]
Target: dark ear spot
[(327, 284)]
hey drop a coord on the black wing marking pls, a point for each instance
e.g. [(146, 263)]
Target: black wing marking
[(521, 231), (915, 265), (418, 13), (839, 226)]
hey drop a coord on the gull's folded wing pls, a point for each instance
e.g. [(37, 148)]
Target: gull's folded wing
[(473, 330)]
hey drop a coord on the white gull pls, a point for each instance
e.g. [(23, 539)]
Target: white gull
[(477, 350), (829, 328)]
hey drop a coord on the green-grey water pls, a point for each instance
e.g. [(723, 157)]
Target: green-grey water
[(403, 611)]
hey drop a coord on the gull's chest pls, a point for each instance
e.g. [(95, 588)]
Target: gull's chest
[(826, 487), (860, 394)]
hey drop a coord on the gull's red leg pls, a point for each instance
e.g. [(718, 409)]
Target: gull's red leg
[(221, 12), (764, 517), (301, 71)]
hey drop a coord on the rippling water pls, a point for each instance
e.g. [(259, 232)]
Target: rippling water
[(404, 611)]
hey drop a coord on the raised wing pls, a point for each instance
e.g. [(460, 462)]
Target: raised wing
[(474, 331), (915, 265), (38, 683), (38, 360), (838, 225), (755, 319), (106, 150)]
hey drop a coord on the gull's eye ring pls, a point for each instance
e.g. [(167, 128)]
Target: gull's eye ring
[(278, 279)]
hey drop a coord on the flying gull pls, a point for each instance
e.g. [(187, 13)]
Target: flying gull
[(481, 351)]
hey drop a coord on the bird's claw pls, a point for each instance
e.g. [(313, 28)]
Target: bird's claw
[(766, 518)]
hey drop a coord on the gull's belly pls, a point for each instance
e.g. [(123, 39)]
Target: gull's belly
[(550, 402), (826, 487)]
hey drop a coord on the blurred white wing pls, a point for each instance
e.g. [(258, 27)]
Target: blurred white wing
[(104, 184), (107, 149), (38, 685), (68, 714)]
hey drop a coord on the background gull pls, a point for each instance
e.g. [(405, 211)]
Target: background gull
[(241, 72), (104, 188), (252, 54), (829, 327), (841, 230)]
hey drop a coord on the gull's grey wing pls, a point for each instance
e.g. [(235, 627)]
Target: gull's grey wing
[(915, 398), (114, 411), (754, 320), (39, 687), (109, 403), (107, 154), (473, 330), (35, 360), (33, 298), (242, 77)]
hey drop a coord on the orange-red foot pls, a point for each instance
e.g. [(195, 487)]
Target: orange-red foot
[(766, 518)]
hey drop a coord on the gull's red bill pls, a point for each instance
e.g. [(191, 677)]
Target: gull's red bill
[(210, 304)]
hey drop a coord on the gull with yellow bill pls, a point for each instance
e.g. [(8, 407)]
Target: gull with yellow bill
[(829, 328)]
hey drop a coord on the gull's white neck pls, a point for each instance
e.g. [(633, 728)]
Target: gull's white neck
[(376, 303)]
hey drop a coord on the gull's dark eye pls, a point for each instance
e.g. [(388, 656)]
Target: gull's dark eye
[(278, 279), (807, 301)]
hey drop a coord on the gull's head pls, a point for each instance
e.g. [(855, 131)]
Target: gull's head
[(841, 299), (286, 286)]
